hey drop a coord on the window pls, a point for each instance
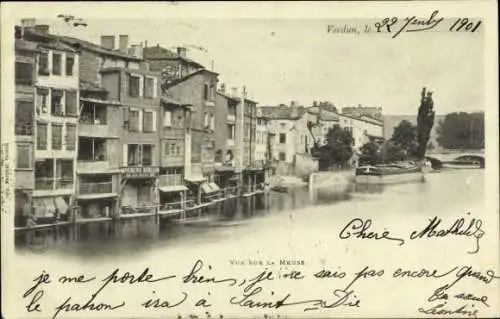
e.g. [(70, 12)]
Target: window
[(42, 96), (230, 131), (282, 156), (41, 136), (172, 148), (70, 136), (24, 73), (205, 91), (24, 118), (71, 109), (149, 87), (70, 62), (133, 154), (56, 63), (56, 103), (147, 154), (134, 83), (167, 119), (282, 138), (43, 63), (134, 120), (56, 136), (148, 122), (23, 156)]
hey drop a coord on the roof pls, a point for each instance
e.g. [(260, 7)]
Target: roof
[(172, 101), (92, 100), (23, 45), (97, 48), (282, 112), (227, 96), (88, 86), (159, 53), (184, 78), (324, 115), (47, 41)]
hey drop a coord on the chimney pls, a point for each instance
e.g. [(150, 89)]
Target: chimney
[(315, 103), (294, 104), (223, 88), (244, 93), (181, 52), (146, 43), (123, 44), (42, 28), (234, 92), (108, 41), (136, 50)]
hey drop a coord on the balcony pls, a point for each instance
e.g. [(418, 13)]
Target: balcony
[(47, 183), (171, 180), (87, 166), (231, 118), (93, 130), (96, 188)]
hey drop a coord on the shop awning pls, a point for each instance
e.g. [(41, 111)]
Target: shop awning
[(207, 188), (214, 187), (61, 205), (171, 189)]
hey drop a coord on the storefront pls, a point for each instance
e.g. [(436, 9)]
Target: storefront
[(139, 193)]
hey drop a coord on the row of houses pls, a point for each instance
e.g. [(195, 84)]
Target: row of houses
[(120, 130)]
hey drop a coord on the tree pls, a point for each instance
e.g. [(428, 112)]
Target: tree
[(425, 121), (337, 150), (405, 137), (370, 153), (461, 131)]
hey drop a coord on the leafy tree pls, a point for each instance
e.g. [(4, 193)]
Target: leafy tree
[(370, 153), (425, 121), (337, 150), (391, 152), (461, 131), (405, 137)]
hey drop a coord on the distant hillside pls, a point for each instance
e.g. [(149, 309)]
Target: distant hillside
[(391, 121)]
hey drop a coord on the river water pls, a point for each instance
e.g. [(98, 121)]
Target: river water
[(274, 219)]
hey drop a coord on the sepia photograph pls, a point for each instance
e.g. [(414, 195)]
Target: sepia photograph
[(213, 160)]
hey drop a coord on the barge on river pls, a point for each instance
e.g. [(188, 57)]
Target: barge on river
[(389, 174), (465, 162)]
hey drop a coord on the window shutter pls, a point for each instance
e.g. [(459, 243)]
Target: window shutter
[(154, 121), (167, 121), (125, 155), (139, 126), (155, 87), (141, 86)]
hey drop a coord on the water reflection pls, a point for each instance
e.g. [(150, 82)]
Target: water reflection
[(124, 237)]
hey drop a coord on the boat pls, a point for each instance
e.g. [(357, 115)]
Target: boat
[(389, 174), (465, 162), (279, 188)]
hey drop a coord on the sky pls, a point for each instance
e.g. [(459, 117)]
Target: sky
[(296, 59)]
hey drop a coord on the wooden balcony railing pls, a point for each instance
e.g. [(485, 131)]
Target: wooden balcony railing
[(96, 188), (171, 180)]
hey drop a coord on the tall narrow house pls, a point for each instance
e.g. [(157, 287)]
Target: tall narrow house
[(56, 118), (118, 137), (189, 83)]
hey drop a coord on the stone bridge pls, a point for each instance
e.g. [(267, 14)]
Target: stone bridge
[(437, 159)]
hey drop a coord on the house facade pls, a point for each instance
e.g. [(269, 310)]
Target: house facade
[(55, 113)]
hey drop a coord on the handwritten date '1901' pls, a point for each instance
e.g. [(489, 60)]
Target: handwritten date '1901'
[(396, 26)]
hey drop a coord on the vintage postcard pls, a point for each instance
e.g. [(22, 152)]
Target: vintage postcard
[(250, 160)]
